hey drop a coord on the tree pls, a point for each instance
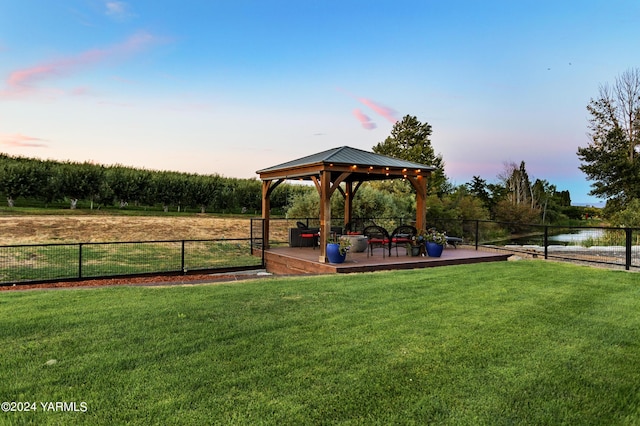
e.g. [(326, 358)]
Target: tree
[(478, 188), (128, 184), (410, 141), (516, 180), (168, 188), (82, 181), (611, 160), (543, 194), (629, 217), (203, 190), (519, 204), (19, 179), (466, 204)]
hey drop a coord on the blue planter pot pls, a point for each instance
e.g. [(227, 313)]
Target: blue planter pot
[(434, 250), (333, 253)]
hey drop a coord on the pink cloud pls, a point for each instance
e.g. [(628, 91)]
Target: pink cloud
[(384, 111), (24, 81), (19, 140), (364, 119)]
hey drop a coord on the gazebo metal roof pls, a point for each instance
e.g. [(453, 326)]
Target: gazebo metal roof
[(344, 158)]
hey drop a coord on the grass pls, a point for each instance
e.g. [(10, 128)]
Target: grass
[(527, 342), (32, 263)]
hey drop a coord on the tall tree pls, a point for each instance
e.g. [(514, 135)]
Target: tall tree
[(543, 195), (478, 188), (410, 141), (611, 160), (516, 180)]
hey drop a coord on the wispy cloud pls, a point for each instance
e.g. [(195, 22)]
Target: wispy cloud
[(118, 10), (364, 119), (19, 141), (25, 81), (386, 112)]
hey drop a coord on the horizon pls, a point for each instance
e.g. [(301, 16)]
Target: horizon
[(231, 88)]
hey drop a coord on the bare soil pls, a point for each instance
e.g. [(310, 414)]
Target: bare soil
[(104, 228)]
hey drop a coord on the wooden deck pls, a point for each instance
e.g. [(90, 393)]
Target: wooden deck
[(304, 260)]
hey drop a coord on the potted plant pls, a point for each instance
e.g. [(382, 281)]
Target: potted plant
[(435, 242), (337, 249), (417, 242)]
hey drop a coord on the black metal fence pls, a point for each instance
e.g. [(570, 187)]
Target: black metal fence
[(618, 247), (590, 244), (36, 263)]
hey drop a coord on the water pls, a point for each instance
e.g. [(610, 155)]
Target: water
[(572, 238), (577, 236)]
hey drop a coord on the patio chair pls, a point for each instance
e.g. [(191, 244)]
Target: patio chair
[(402, 236), (454, 241), (377, 236), (308, 233), (356, 226)]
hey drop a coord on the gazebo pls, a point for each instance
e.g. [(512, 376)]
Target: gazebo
[(351, 166)]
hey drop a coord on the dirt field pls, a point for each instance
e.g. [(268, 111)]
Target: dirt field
[(97, 228)]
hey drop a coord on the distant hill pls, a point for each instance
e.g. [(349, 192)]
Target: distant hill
[(598, 205)]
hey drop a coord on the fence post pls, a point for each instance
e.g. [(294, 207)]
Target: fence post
[(477, 233), (628, 233), (251, 236), (546, 242), (80, 260), (182, 259), (262, 245)]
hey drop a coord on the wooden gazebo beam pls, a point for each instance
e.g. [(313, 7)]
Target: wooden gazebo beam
[(420, 185), (326, 188), (267, 188)]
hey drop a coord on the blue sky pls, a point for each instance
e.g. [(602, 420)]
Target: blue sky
[(234, 86)]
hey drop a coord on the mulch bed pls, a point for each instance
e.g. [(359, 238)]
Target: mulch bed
[(148, 281)]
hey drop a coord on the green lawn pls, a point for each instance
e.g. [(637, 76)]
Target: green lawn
[(527, 342)]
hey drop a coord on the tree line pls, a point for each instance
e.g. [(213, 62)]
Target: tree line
[(27, 181)]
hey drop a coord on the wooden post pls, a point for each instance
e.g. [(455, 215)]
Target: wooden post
[(267, 188), (266, 207), (348, 202), (419, 183), (325, 213)]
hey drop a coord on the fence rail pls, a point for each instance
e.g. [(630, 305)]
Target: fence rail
[(37, 263), (601, 245)]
